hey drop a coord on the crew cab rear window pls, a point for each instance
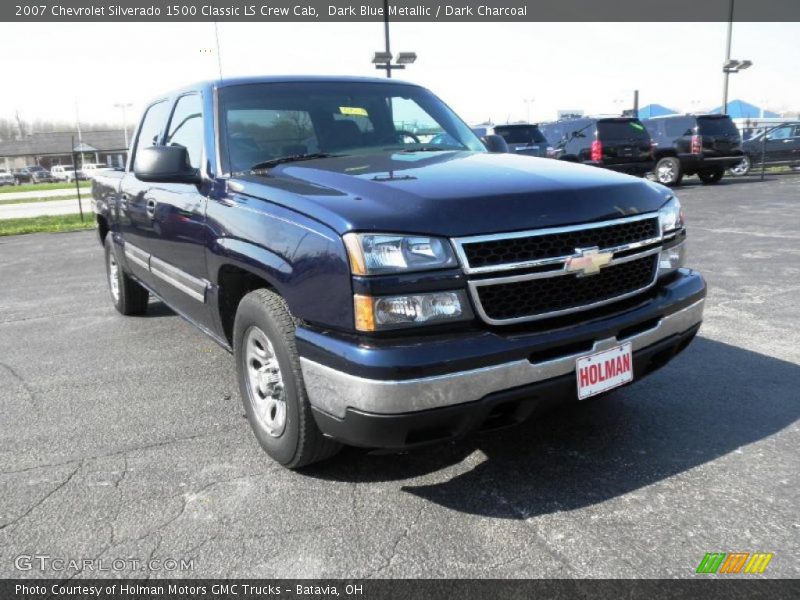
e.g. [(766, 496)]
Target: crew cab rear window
[(621, 130), (716, 126), (520, 135)]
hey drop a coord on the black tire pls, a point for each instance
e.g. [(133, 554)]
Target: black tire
[(743, 168), (299, 442), (711, 176), (668, 171), (130, 298)]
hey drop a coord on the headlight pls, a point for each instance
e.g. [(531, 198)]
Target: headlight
[(671, 216), (375, 313), (673, 256), (379, 253)]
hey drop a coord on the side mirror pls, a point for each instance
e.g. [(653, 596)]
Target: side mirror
[(165, 164), (495, 143)]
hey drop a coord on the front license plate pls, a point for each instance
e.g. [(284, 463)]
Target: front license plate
[(602, 371)]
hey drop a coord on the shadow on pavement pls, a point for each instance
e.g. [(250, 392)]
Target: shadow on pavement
[(708, 402)]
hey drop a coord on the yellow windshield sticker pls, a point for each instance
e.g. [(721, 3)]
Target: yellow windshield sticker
[(354, 111)]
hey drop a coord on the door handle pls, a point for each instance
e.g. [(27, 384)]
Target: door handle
[(151, 208)]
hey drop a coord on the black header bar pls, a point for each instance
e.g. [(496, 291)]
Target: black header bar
[(404, 10)]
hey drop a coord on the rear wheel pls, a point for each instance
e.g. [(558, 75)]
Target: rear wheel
[(711, 176), (271, 382), (743, 168), (128, 296), (668, 171)]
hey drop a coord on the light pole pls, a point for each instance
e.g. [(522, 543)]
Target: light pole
[(528, 102), (124, 106), (383, 60), (730, 65)]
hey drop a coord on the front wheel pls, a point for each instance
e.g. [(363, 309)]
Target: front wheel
[(128, 296), (271, 382), (711, 176), (743, 168), (668, 171)]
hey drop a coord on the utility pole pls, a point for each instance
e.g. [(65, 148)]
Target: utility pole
[(124, 106), (386, 36)]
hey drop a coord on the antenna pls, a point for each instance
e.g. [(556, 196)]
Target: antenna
[(219, 54)]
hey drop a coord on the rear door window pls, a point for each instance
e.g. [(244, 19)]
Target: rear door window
[(675, 128), (520, 135)]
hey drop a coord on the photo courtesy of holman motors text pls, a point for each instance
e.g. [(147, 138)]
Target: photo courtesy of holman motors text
[(399, 299)]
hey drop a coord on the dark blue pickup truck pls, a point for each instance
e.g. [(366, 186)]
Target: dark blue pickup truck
[(380, 278)]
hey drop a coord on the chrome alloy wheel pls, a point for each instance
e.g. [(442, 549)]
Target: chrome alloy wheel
[(665, 172), (264, 382), (741, 168), (113, 276)]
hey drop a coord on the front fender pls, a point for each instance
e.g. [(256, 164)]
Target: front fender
[(302, 259)]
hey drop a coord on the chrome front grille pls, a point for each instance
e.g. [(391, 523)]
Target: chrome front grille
[(524, 276)]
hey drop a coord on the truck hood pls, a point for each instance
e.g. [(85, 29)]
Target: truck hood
[(451, 193)]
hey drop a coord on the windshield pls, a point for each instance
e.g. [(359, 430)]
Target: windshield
[(268, 121), (35, 169), (716, 126), (515, 134)]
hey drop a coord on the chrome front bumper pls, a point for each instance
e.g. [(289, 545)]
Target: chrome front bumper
[(333, 391)]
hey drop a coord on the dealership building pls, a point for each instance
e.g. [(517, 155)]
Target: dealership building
[(58, 148)]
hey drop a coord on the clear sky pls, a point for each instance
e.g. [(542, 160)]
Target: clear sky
[(482, 70)]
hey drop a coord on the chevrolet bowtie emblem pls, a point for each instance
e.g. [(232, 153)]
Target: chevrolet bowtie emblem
[(587, 261)]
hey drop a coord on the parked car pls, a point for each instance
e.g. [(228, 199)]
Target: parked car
[(376, 289), (524, 139), (89, 170), (616, 143), (65, 173), (32, 174), (778, 146), (6, 178), (704, 145)]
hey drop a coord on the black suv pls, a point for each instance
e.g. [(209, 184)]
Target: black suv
[(704, 145), (618, 143), (781, 146), (523, 138)]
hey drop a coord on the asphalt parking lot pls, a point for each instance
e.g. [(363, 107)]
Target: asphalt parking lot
[(125, 437)]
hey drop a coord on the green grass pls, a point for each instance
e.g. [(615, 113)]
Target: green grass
[(39, 199), (34, 187), (49, 223)]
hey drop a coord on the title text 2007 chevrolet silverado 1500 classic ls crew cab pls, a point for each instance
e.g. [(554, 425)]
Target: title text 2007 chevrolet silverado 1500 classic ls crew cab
[(381, 279)]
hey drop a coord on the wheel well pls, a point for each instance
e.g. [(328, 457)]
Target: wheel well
[(102, 228), (234, 283)]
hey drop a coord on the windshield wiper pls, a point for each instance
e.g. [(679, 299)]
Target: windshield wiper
[(274, 162), (426, 149)]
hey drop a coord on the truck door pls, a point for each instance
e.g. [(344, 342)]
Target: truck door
[(135, 222), (779, 144), (176, 212)]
